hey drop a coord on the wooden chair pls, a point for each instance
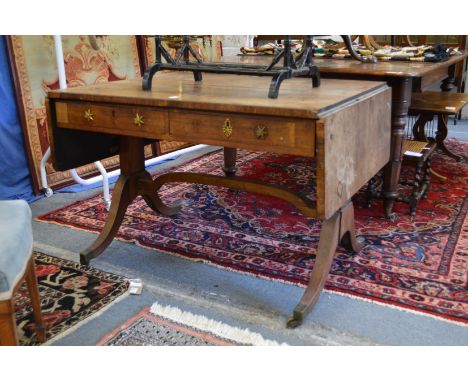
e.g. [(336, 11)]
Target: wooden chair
[(16, 265), (415, 153), (418, 154), (441, 104)]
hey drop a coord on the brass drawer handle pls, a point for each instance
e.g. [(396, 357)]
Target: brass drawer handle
[(88, 115), (261, 132), (227, 128), (138, 120)]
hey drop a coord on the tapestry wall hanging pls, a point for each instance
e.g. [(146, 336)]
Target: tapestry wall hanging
[(35, 72)]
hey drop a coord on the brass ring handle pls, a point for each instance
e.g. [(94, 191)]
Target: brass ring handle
[(88, 115), (261, 132), (227, 128), (138, 120)]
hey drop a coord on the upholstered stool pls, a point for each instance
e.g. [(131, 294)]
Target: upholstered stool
[(429, 104), (16, 265), (419, 154)]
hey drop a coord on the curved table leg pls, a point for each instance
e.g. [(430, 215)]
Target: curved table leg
[(441, 134), (348, 230), (121, 198), (419, 132), (153, 200), (339, 227), (437, 176)]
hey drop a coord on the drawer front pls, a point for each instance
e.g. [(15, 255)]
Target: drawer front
[(281, 135), (113, 119)]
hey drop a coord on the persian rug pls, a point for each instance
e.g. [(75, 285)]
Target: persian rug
[(418, 263), (169, 326), (70, 293)]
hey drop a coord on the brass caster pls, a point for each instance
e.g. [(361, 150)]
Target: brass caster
[(293, 322), (84, 259)]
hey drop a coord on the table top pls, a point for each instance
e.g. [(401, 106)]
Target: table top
[(348, 66), (229, 93)]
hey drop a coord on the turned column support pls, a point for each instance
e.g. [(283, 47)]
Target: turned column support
[(401, 98)]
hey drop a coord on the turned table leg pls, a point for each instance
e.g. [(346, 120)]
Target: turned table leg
[(340, 227), (230, 156), (401, 98)]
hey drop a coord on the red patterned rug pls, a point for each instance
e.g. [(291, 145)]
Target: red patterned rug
[(70, 293), (418, 263)]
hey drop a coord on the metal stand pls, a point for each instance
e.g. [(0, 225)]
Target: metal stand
[(292, 66)]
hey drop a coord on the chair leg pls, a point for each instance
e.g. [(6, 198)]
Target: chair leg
[(31, 282), (8, 333), (426, 178), (413, 202)]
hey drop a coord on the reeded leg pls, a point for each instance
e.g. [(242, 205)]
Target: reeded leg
[(339, 227), (230, 156), (121, 198), (401, 97), (31, 282)]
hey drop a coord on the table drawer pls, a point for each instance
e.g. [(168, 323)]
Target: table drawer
[(114, 119), (281, 135)]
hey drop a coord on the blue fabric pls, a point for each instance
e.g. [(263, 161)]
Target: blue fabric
[(15, 180), (15, 243)]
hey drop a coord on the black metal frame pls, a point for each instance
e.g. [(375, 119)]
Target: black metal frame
[(301, 65)]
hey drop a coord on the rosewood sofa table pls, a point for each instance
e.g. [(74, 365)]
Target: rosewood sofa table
[(343, 124), (404, 77)]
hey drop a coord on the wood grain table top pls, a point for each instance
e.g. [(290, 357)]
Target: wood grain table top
[(228, 93), (381, 68)]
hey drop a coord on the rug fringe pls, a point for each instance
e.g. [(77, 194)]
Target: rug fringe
[(244, 336), (86, 320)]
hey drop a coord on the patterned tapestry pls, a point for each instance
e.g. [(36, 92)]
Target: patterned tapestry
[(35, 68)]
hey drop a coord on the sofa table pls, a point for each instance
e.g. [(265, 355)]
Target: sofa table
[(404, 77), (343, 124)]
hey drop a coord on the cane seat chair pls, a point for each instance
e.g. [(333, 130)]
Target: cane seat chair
[(441, 104)]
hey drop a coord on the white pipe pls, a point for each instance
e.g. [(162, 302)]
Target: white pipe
[(149, 162), (42, 170), (104, 176), (60, 63)]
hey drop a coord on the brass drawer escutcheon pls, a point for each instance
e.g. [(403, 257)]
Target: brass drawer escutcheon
[(138, 120), (227, 128), (88, 115), (261, 132)]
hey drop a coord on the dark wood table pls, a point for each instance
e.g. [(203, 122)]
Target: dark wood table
[(344, 125), (403, 77)]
